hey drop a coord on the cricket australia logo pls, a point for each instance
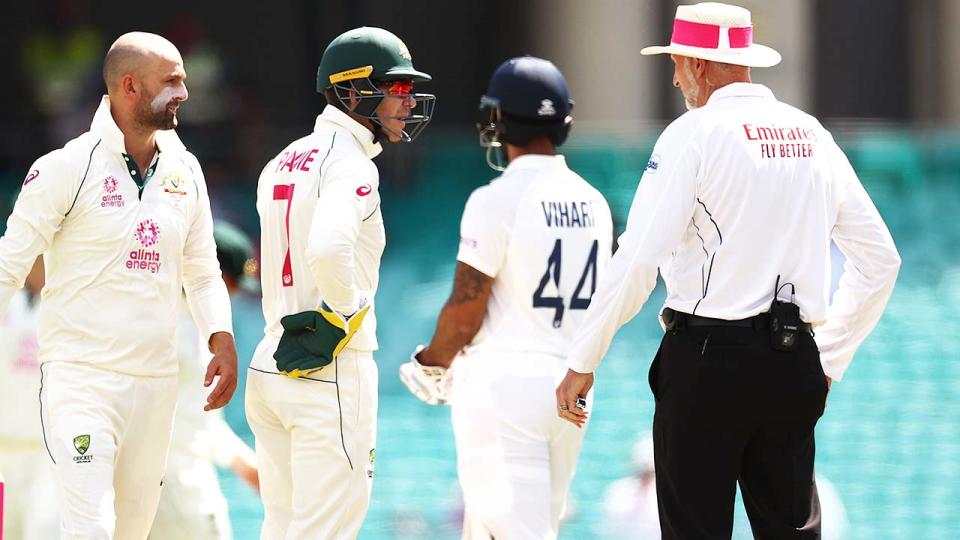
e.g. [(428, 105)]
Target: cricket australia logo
[(111, 199), (404, 51), (82, 443), (171, 184), (148, 233)]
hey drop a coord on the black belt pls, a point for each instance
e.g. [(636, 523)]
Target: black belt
[(675, 320)]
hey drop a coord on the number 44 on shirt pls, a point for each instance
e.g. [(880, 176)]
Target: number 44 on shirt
[(552, 273)]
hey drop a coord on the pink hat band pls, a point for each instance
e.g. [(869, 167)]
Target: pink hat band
[(708, 36)]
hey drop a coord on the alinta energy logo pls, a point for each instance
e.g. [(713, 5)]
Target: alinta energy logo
[(148, 234), (111, 199), (81, 443)]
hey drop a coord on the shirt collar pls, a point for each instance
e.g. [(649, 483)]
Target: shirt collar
[(105, 127), (361, 134), (535, 161), (741, 89)]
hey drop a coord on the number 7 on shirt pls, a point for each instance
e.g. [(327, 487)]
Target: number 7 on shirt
[(284, 192)]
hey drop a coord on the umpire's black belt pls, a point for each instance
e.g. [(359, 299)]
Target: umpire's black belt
[(676, 320)]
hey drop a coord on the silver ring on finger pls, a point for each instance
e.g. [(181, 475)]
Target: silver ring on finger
[(581, 403), (564, 407)]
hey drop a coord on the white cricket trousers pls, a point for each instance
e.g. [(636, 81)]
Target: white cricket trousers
[(315, 442), (108, 435), (515, 456)]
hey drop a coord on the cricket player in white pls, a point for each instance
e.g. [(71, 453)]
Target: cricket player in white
[(532, 245), (31, 492), (192, 504), (122, 217), (322, 238)]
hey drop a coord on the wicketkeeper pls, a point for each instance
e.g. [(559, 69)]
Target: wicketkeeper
[(312, 390)]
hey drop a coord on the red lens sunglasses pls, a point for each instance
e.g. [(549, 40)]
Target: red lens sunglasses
[(400, 88)]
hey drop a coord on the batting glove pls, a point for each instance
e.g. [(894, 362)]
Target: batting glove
[(430, 384)]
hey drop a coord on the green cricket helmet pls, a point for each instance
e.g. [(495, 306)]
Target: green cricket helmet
[(235, 255), (360, 63)]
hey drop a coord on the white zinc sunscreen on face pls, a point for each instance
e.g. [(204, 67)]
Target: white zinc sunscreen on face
[(168, 94)]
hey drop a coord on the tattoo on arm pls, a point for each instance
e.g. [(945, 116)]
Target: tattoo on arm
[(469, 284), (461, 318)]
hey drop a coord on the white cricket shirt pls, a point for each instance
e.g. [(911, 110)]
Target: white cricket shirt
[(117, 260), (544, 234), (735, 193), (321, 227)]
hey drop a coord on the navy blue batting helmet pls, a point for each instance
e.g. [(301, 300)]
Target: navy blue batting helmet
[(526, 97)]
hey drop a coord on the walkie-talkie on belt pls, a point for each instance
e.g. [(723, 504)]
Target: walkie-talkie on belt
[(785, 323)]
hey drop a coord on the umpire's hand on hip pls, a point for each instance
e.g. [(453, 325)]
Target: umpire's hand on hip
[(572, 395), (222, 365)]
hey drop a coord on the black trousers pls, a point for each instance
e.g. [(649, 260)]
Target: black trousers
[(730, 409)]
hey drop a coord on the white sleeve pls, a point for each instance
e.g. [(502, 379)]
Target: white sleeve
[(659, 216), (869, 272), (483, 233), (348, 195), (46, 196), (202, 281)]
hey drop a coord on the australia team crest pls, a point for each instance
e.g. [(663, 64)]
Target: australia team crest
[(172, 184), (81, 443)]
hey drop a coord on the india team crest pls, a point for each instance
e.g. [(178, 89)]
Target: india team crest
[(546, 108), (81, 443), (148, 233)]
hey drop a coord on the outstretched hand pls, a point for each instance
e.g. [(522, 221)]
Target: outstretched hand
[(224, 367)]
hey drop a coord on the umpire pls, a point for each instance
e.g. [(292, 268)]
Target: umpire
[(737, 207)]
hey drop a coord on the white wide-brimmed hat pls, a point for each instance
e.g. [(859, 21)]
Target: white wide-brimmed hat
[(716, 32)]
